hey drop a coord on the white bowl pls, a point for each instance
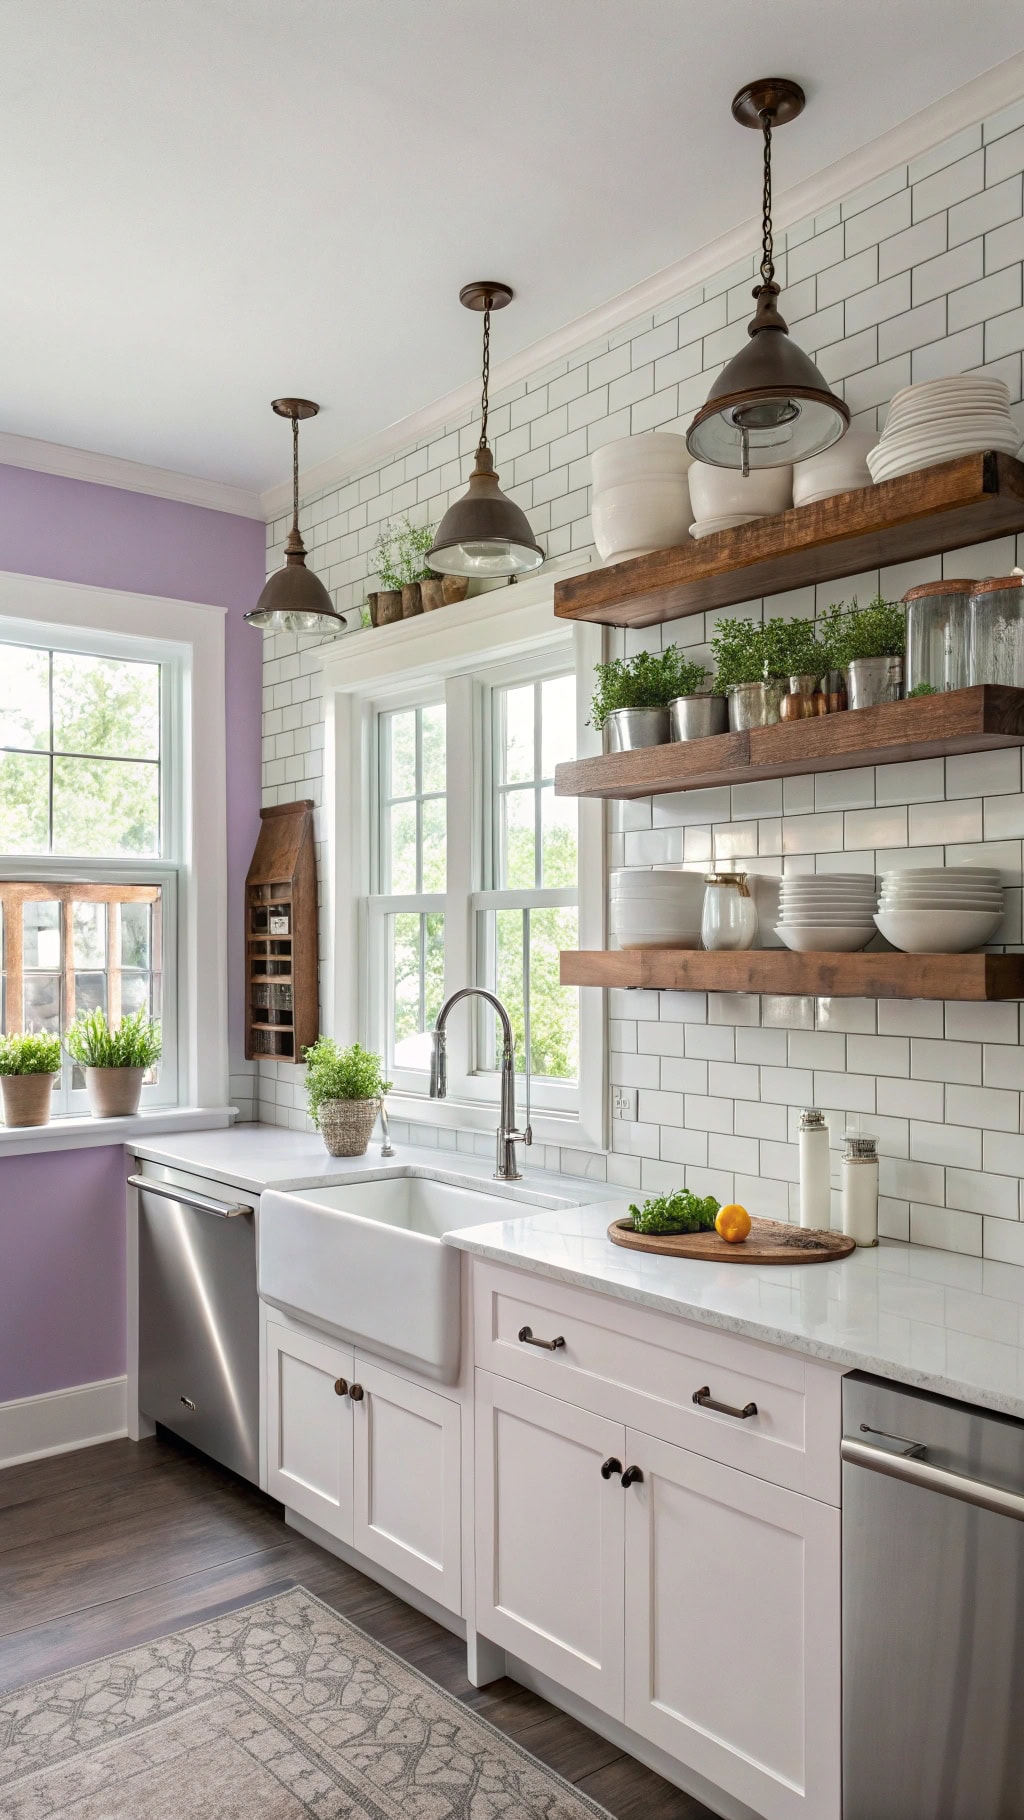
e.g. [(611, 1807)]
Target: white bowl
[(839, 469), (938, 931), (958, 873), (717, 491), (955, 385), (824, 938), (640, 500), (706, 527), (813, 913), (629, 881)]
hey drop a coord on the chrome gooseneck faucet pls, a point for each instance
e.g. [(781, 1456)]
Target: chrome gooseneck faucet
[(506, 1162)]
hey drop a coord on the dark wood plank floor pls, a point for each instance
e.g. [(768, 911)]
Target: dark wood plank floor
[(112, 1545)]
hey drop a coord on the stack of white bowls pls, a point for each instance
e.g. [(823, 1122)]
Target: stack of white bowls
[(827, 912), (723, 497), (940, 909), (655, 909), (640, 500), (941, 419), (840, 469)]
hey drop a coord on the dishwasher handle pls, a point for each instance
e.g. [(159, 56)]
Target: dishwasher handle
[(915, 1471), (201, 1202)]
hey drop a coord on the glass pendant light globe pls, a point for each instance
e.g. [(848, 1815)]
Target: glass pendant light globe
[(769, 406), (485, 534), (294, 599)]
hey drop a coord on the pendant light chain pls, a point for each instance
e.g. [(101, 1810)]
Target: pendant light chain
[(767, 249), (484, 401), (295, 472)]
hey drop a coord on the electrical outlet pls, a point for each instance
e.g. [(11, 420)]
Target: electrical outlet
[(623, 1102)]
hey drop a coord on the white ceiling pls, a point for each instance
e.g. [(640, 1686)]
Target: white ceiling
[(206, 203)]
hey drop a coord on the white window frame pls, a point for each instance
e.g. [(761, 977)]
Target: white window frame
[(498, 634), (187, 639)]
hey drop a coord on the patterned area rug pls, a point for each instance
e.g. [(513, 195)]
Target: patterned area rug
[(277, 1712)]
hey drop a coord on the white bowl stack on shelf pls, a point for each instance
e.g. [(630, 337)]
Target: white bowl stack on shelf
[(827, 912), (940, 909), (941, 419), (655, 909), (723, 497)]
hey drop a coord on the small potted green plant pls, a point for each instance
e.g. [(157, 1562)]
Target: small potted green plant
[(344, 1092), (29, 1064), (631, 701), (868, 644), (115, 1059), (399, 560), (698, 711), (751, 667)]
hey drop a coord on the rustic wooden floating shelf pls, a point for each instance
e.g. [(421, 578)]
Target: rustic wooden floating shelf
[(959, 502), (780, 973), (931, 726)]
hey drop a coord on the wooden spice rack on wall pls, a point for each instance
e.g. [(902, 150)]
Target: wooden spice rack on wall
[(281, 949)]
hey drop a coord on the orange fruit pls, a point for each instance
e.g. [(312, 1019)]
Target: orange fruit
[(733, 1224)]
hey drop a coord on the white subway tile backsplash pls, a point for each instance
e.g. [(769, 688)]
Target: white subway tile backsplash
[(983, 774), (998, 1195), (957, 1145), (988, 1108), (946, 1228), (912, 1099), (953, 183)]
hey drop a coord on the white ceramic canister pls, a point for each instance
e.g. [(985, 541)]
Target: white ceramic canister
[(640, 500), (729, 919), (860, 1189), (815, 1171)]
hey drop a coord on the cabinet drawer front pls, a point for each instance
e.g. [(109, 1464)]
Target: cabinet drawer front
[(636, 1365), (407, 1482), (309, 1429)]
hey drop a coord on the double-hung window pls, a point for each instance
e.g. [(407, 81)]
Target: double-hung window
[(90, 838)]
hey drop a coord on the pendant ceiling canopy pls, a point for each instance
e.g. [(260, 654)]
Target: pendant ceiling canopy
[(485, 534), (294, 599), (769, 406)]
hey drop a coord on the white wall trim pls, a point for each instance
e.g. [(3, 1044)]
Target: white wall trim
[(977, 99), (128, 476), (60, 1420)]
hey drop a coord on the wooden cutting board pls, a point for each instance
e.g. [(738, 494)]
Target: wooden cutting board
[(769, 1242)]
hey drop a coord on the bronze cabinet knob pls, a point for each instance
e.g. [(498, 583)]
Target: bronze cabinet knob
[(610, 1468), (340, 1387), (632, 1476), (356, 1392)]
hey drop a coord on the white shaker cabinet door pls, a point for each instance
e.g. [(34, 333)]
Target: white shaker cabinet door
[(407, 1481), (732, 1629), (550, 1536), (309, 1428)]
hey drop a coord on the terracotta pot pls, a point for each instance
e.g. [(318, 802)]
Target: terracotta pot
[(346, 1125), (114, 1093), (389, 606), (27, 1098), (371, 601), (433, 594), (412, 600), (455, 587)]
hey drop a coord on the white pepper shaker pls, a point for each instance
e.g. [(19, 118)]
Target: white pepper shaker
[(860, 1189), (815, 1171)]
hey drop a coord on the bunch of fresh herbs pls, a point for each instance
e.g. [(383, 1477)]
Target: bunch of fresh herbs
[(32, 1052), (341, 1074), (849, 632), (682, 1211), (651, 679), (398, 557), (135, 1043)]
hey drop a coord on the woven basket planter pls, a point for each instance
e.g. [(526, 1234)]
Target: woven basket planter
[(27, 1098), (346, 1125), (114, 1093)]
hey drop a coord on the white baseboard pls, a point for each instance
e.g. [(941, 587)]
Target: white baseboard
[(60, 1420)]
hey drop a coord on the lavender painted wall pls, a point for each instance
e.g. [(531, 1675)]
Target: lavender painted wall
[(62, 1215)]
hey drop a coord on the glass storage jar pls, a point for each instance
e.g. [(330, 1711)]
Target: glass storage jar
[(997, 631), (729, 918), (938, 627)]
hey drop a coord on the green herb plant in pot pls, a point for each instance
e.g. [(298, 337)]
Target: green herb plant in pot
[(345, 1089), (750, 671), (631, 701), (29, 1065), (868, 645), (115, 1060), (697, 711)]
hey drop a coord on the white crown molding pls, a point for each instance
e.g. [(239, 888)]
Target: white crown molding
[(128, 476), (984, 95)]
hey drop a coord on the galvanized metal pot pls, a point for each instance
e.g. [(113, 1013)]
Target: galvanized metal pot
[(697, 716), (627, 728), (756, 704), (873, 681)]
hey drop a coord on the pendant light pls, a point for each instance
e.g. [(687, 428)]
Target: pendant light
[(769, 405), (485, 534), (294, 599)]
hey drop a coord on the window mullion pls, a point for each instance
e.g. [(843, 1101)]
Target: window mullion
[(465, 843)]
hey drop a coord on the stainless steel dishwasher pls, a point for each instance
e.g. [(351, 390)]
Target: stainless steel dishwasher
[(933, 1607), (199, 1317)]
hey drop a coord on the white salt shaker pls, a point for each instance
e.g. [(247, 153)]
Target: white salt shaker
[(815, 1171), (860, 1189)]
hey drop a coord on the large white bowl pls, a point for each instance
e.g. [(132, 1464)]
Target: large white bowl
[(938, 931), (837, 470), (640, 500), (715, 492), (636, 881), (706, 527), (824, 938), (813, 913), (959, 874)]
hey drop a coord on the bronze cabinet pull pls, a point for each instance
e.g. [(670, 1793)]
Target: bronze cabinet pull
[(526, 1336), (610, 1468), (340, 1387), (356, 1392), (707, 1401), (632, 1476)]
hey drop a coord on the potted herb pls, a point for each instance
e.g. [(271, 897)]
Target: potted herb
[(29, 1064), (400, 563), (631, 702), (697, 711), (344, 1092), (750, 671), (115, 1060), (868, 645)]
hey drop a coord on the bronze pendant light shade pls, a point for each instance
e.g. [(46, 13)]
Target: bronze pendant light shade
[(294, 599), (485, 534), (769, 405)]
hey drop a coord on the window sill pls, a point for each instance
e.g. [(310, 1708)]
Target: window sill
[(93, 1134)]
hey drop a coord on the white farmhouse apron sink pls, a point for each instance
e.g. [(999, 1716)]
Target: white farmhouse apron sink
[(364, 1261)]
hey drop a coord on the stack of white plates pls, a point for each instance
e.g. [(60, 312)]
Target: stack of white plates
[(941, 419), (830, 912), (940, 909), (655, 909)]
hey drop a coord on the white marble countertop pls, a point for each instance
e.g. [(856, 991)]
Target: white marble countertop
[(933, 1319)]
